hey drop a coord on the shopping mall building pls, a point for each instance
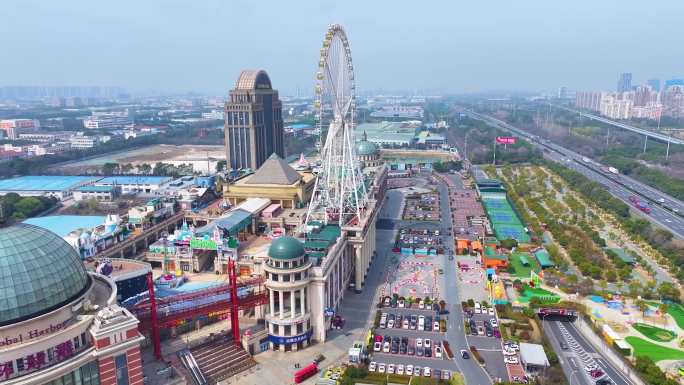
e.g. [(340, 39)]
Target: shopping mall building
[(60, 324)]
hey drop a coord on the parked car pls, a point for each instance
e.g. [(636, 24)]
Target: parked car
[(564, 345), (390, 369), (420, 351), (590, 367), (387, 301), (438, 351), (427, 372), (378, 338), (428, 352), (511, 359), (596, 374), (494, 323), (405, 323), (446, 375), (491, 311), (421, 305), (604, 381), (419, 342), (411, 350), (435, 326), (480, 331), (386, 347), (464, 354), (377, 346), (409, 370), (400, 369), (390, 324), (401, 303), (512, 345), (372, 366)]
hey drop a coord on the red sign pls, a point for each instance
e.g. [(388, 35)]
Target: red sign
[(505, 140)]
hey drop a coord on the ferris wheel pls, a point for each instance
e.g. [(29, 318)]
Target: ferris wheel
[(339, 191)]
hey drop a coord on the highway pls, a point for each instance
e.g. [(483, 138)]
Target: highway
[(579, 352), (668, 214), (650, 134)]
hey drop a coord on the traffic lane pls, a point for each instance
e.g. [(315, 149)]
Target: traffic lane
[(615, 375), (455, 335), (494, 363), (568, 360), (486, 343)]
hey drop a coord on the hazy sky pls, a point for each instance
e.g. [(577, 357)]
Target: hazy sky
[(459, 46)]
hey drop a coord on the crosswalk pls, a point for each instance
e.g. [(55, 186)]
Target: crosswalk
[(586, 358)]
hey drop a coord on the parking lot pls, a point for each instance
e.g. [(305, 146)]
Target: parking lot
[(411, 337), (485, 337)]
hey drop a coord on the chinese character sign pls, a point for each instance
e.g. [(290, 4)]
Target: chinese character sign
[(505, 140)]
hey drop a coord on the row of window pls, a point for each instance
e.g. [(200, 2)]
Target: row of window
[(293, 277), (291, 264), (290, 330), (88, 374)]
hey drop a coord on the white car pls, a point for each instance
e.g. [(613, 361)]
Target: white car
[(491, 311), (405, 324), (400, 369), (400, 303), (390, 369), (512, 345), (390, 324), (491, 322), (409, 370), (386, 347), (381, 368), (421, 304), (427, 343), (511, 360), (377, 346), (438, 351), (419, 342), (435, 326), (372, 366), (590, 367), (508, 351), (427, 372)]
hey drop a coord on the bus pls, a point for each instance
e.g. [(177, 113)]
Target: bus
[(556, 314), (306, 372)]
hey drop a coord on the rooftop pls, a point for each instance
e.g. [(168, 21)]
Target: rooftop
[(91, 188), (39, 272), (533, 354), (44, 183), (140, 180), (274, 171), (253, 79), (232, 222), (62, 225)]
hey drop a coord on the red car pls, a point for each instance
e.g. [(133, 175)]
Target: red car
[(596, 373), (378, 338)]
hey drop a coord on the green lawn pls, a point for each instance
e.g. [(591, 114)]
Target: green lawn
[(655, 333), (653, 351), (675, 310), (520, 270)]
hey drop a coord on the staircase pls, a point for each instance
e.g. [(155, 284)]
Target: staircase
[(221, 359)]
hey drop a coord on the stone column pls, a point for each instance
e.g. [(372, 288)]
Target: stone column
[(280, 304), (359, 270), (301, 300), (272, 302), (293, 308)]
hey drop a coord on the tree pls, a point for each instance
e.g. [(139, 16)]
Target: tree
[(126, 168), (662, 308), (634, 289), (221, 165), (643, 306), (668, 291), (109, 168), (145, 168), (28, 206)]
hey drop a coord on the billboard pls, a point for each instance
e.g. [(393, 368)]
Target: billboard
[(505, 140)]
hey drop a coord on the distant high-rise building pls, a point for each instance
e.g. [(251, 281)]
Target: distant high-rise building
[(673, 82), (562, 92), (654, 83), (253, 121), (625, 82)]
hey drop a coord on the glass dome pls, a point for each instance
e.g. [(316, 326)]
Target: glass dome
[(39, 272)]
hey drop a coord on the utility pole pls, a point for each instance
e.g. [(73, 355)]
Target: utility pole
[(645, 141)]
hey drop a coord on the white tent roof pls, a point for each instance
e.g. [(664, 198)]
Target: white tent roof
[(254, 205), (533, 354)]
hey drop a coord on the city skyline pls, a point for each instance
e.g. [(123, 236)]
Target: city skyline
[(456, 50)]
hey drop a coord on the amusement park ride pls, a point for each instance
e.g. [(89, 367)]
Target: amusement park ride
[(340, 192), (339, 198)]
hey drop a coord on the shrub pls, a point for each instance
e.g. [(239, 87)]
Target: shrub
[(471, 303), (477, 355), (525, 335)]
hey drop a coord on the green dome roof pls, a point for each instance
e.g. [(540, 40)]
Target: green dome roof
[(39, 272), (286, 248), (365, 147)]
